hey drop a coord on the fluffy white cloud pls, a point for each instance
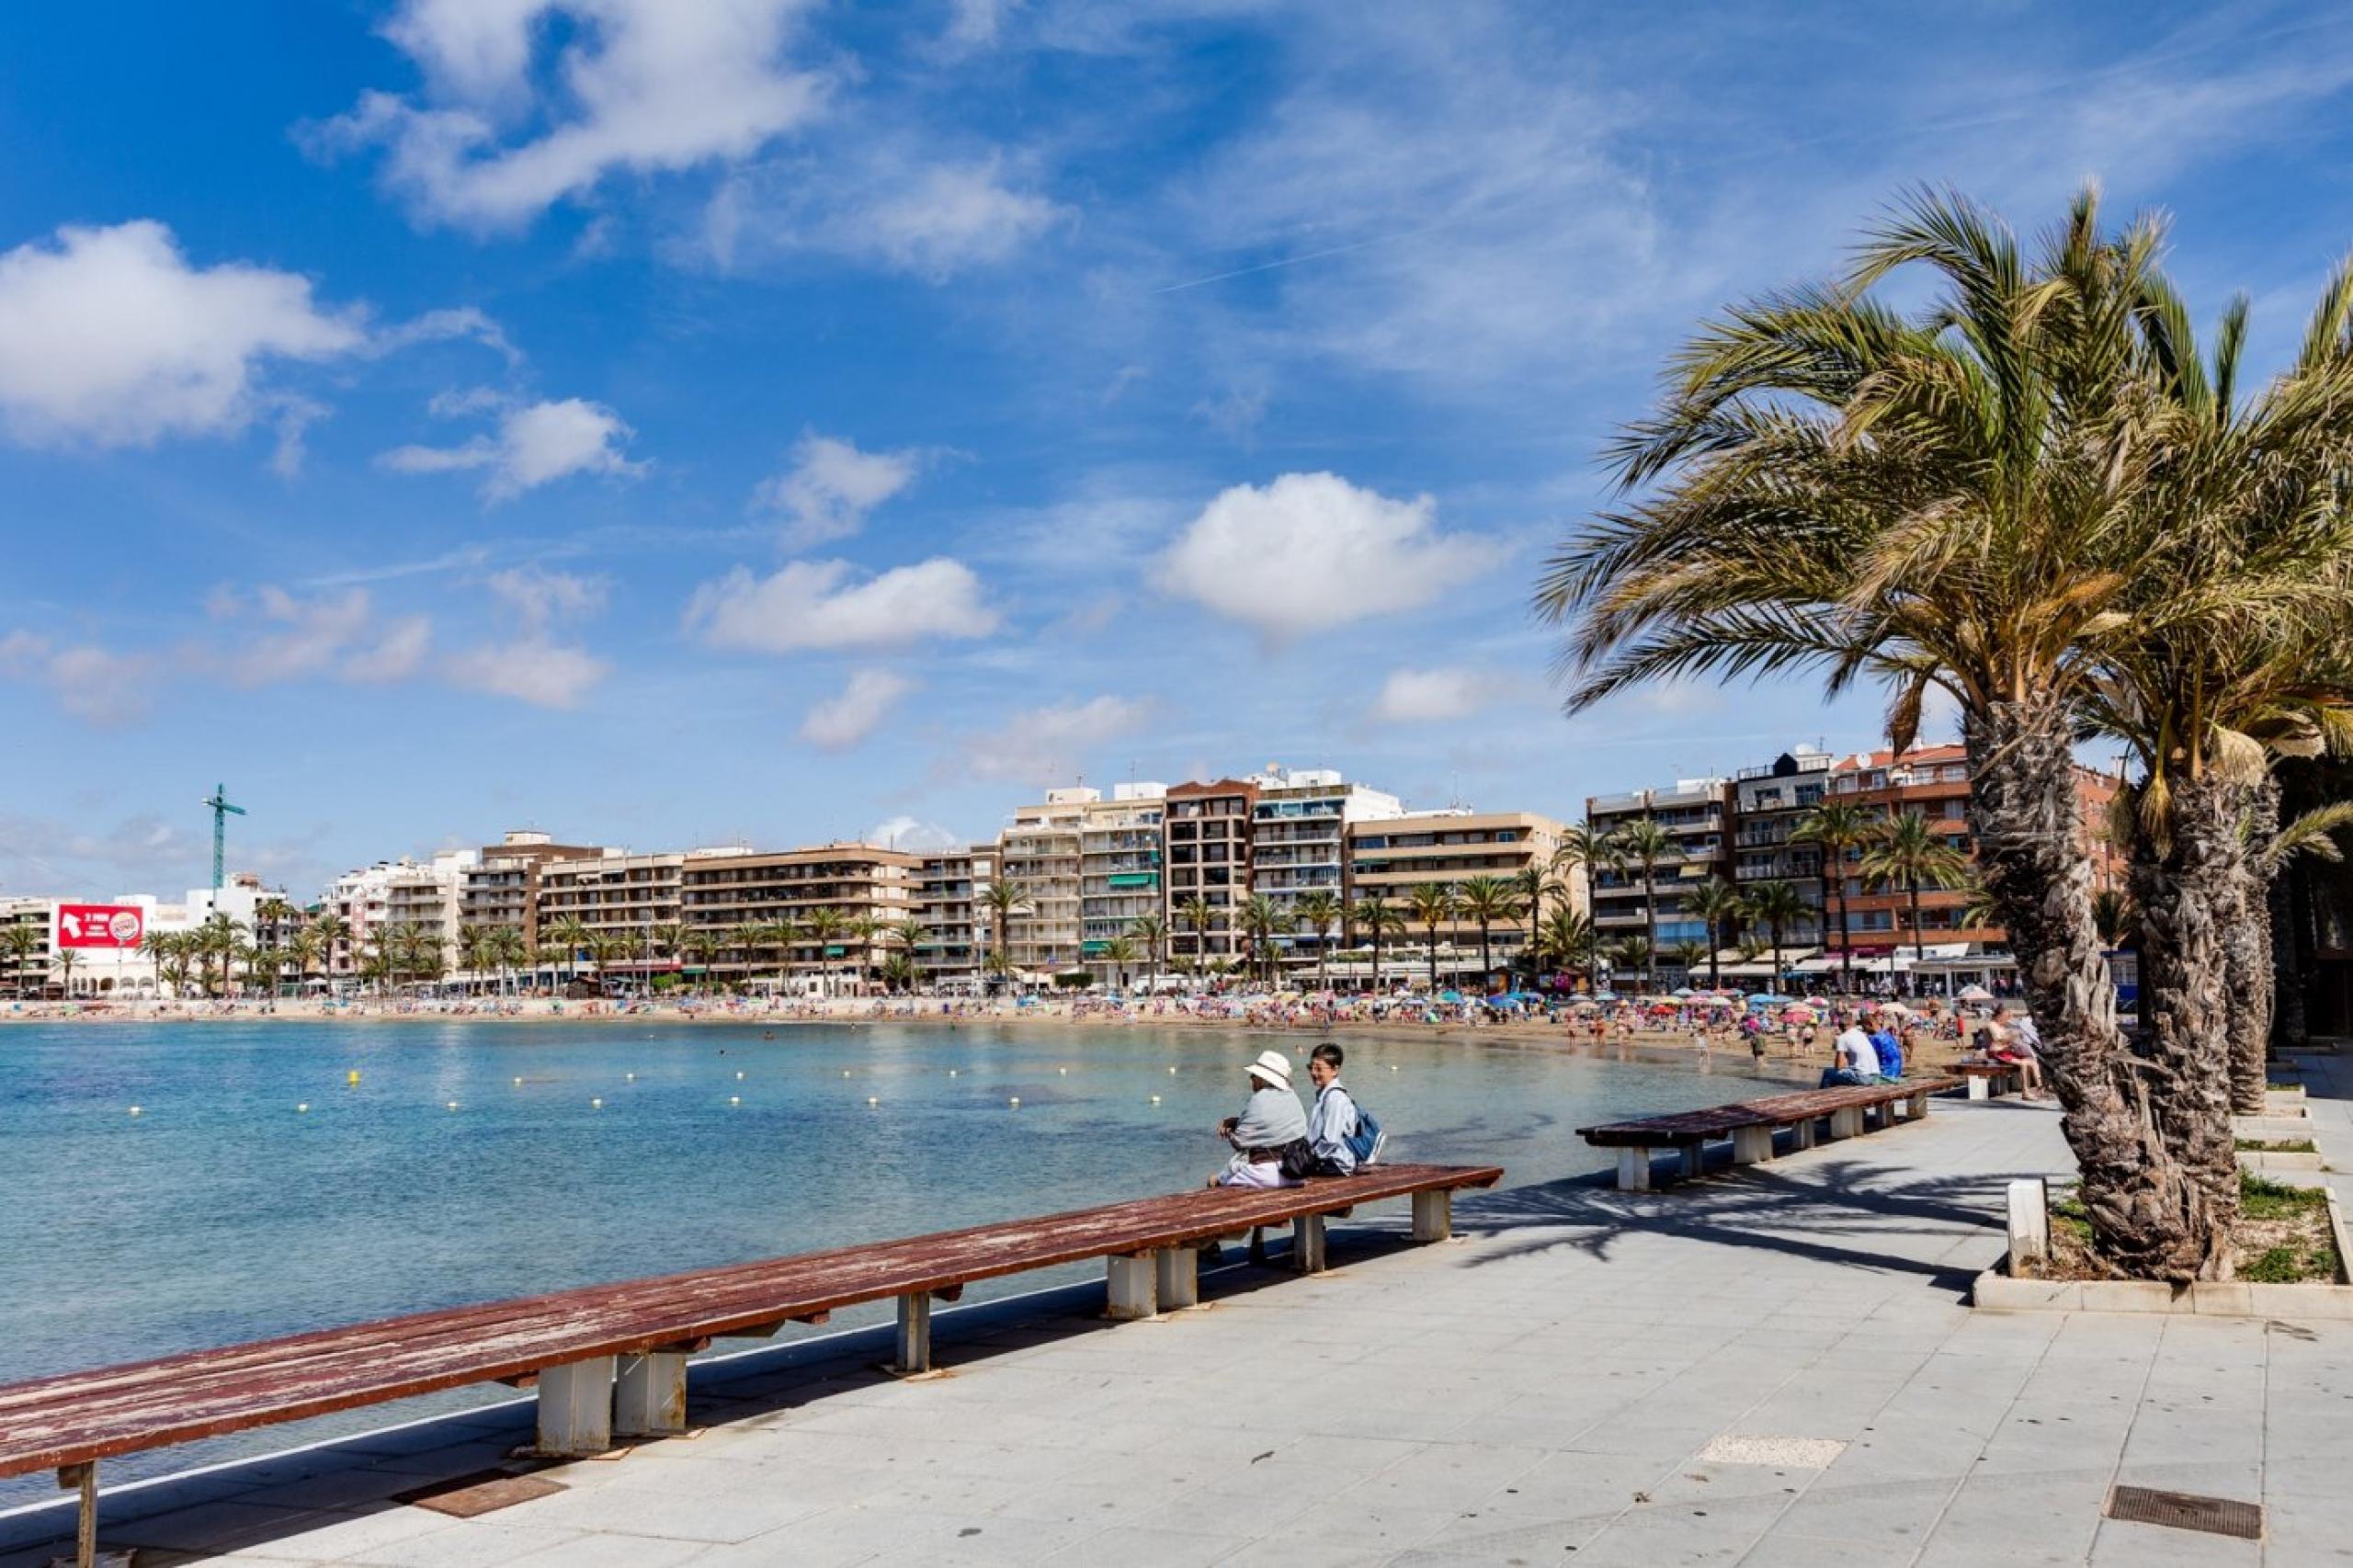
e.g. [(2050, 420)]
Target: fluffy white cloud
[(842, 721), (913, 834), (641, 85), (1424, 697), (541, 598), (909, 211), (1045, 743), (830, 487), (278, 636), (97, 684), (536, 444), (812, 603), (1312, 551), (109, 335), (530, 669)]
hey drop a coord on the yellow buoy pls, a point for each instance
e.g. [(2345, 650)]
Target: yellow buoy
[(352, 1076)]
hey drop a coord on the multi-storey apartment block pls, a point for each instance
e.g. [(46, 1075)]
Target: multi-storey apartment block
[(868, 891), (1390, 858), (1209, 829), (1769, 801), (1697, 815), (1121, 854), (1042, 851), (502, 887), (951, 893), (614, 894), (1298, 843)]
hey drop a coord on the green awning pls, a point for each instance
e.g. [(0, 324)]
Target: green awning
[(1135, 878)]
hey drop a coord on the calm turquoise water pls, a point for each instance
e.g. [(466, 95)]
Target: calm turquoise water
[(222, 1213)]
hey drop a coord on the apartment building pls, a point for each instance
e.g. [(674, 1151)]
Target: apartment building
[(1298, 843), (868, 890), (1769, 800), (502, 887), (361, 901), (611, 894), (29, 974), (1209, 829), (1122, 844), (951, 893), (1391, 856), (1696, 815), (428, 899), (1043, 850)]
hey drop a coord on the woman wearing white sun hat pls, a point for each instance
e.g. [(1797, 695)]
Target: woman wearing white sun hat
[(1270, 1123)]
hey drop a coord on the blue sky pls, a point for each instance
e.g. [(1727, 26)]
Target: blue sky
[(667, 423)]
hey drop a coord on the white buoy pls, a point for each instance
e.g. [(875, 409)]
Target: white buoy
[(1172, 1071), (872, 1100), (739, 1077), (453, 1105), (1015, 1100), (1155, 1100), (1063, 1070), (629, 1077), (952, 1072), (518, 1083), (735, 1099), (303, 1106), (134, 1110), (1392, 1067), (845, 1072), (595, 1104)]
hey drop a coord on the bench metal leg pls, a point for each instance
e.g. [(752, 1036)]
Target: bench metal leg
[(1752, 1145), (1307, 1243), (1177, 1276), (1133, 1287), (1846, 1123), (650, 1397), (577, 1408), (1980, 1088), (83, 1478), (1633, 1170), (1434, 1215), (914, 1334)]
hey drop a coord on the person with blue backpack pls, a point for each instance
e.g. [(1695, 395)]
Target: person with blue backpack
[(1340, 1134)]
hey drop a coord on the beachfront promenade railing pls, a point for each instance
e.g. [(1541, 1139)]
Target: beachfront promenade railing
[(610, 1360)]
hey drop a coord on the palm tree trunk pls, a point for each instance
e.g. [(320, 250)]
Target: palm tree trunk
[(1845, 940), (1650, 927), (2188, 892), (1776, 987), (2246, 950), (1920, 938), (1376, 958), (2149, 1216), (1486, 959), (1433, 941)]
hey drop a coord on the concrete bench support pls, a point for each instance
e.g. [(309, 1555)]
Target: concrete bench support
[(914, 1334), (650, 1395), (577, 1408), (1434, 1212), (1307, 1244), (1846, 1123), (1177, 1277), (1981, 1087), (1133, 1287), (1802, 1135), (1752, 1145), (1916, 1107), (1633, 1170)]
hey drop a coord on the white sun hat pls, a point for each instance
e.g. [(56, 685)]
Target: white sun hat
[(1272, 1069)]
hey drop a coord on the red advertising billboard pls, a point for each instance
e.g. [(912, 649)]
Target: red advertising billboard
[(99, 926)]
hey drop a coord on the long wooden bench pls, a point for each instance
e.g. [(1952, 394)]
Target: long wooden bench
[(610, 1360), (1751, 1125)]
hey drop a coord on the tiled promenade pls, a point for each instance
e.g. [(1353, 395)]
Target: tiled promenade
[(1563, 1383)]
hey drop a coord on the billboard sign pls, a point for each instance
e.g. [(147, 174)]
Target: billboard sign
[(99, 926)]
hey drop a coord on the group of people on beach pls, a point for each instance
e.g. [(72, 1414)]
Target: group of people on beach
[(1869, 1049), (1277, 1142)]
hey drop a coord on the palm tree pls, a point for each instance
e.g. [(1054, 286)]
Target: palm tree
[(1629, 952), (2114, 914), (1689, 954), (1377, 915), (1774, 906), (333, 931), (825, 928), (571, 934), (1834, 827), (176, 951), (1578, 848), (156, 946), (1004, 900), (304, 951), (706, 943), (1720, 906), (1151, 931), (1432, 904), (1953, 500), (1200, 914), (1318, 911), (1567, 938), (1531, 885), (1644, 843), (1119, 953), (1262, 920), (1908, 853), (1485, 901), (65, 958), (745, 938)]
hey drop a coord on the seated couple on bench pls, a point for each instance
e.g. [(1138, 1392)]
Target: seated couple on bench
[(1278, 1145)]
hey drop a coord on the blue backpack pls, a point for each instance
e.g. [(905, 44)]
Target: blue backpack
[(1365, 1142)]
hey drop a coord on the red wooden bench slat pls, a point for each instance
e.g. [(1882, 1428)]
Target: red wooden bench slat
[(74, 1417)]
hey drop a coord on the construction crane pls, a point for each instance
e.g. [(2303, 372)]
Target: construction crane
[(218, 804)]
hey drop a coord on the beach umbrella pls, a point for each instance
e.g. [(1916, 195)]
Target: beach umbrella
[(1685, 991), (1449, 995), (1975, 993)]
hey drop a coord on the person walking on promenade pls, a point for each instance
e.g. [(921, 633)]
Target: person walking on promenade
[(1270, 1122)]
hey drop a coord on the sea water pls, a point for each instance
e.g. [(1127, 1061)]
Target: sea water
[(442, 1163)]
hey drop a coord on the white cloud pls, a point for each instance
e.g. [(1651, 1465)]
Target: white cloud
[(645, 86), (536, 444), (91, 682), (529, 669), (109, 336), (441, 326), (1042, 745), (1312, 551), (541, 598), (857, 712), (831, 486), (812, 603), (913, 834), (907, 209), (1424, 697), (329, 634)]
